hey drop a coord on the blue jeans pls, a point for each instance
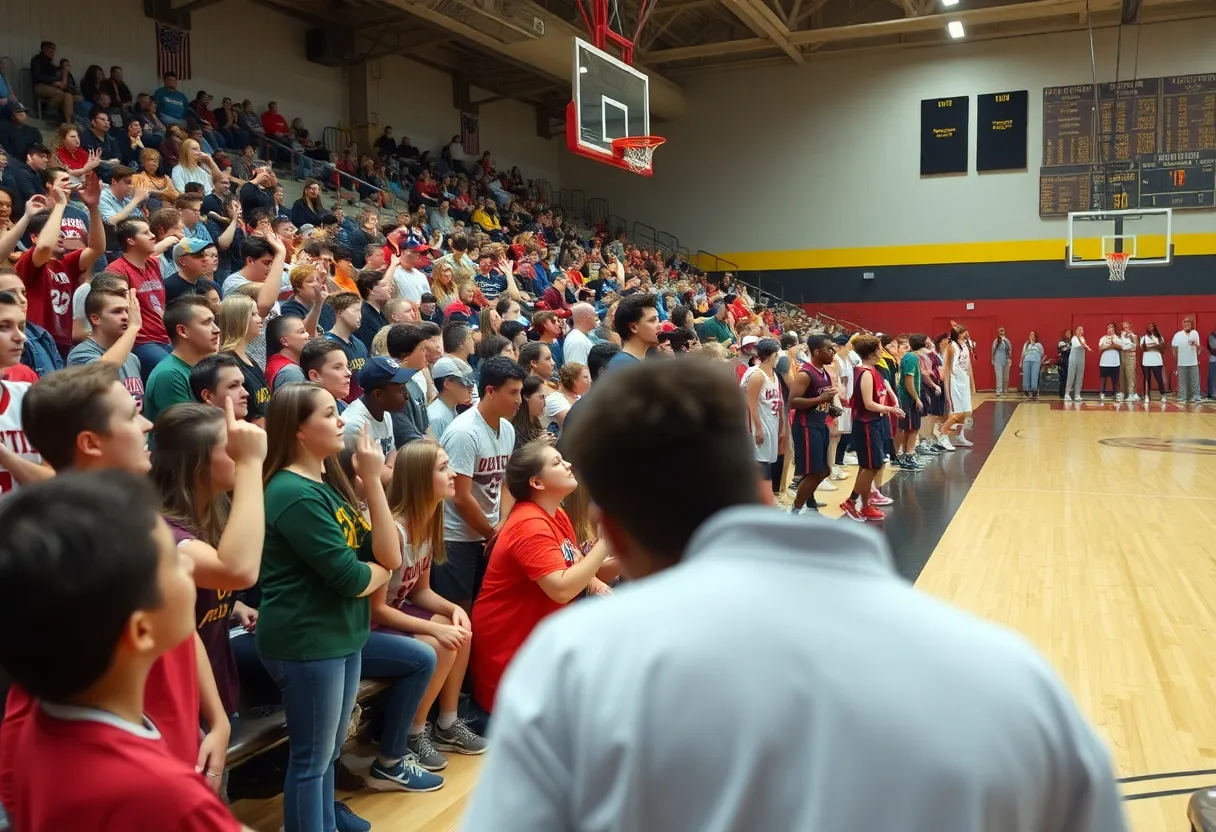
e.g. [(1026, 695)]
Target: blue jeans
[(318, 697), (410, 664), (1030, 376), (149, 356)]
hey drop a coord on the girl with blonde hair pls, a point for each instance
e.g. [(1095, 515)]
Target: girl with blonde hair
[(240, 324), (407, 608), (443, 284), (189, 169)]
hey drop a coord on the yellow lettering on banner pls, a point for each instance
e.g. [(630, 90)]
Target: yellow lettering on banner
[(943, 132), (1003, 97), (946, 102), (1006, 124)]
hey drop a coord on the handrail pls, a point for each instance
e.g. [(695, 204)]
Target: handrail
[(616, 223), (336, 139), (597, 211), (342, 175), (544, 190)]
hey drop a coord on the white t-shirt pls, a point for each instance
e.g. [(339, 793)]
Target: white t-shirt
[(1112, 351), (1187, 344), (1151, 358), (556, 404), (475, 450), (411, 284), (356, 416), (576, 347), (440, 416), (12, 434)]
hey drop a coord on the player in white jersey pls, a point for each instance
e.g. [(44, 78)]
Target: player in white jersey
[(960, 383), (764, 406), (19, 462)]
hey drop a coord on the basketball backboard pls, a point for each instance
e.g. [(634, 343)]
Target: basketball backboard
[(1146, 235), (611, 100)]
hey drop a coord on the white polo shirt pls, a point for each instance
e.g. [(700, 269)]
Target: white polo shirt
[(784, 678)]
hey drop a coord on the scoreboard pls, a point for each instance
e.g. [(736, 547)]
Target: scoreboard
[(1146, 143)]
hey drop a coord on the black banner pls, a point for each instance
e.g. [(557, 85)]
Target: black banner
[(943, 135), (1001, 119)]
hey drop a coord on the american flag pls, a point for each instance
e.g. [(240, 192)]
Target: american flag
[(172, 52), (468, 134)]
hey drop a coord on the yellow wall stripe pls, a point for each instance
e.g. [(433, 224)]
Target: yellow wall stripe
[(944, 253)]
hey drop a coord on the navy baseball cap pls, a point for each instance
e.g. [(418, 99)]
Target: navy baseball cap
[(381, 372)]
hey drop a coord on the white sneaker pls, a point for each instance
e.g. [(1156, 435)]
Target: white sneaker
[(1118, 397), (1068, 397), (850, 458), (1134, 397), (826, 486), (944, 441), (1101, 397), (838, 473), (964, 441)]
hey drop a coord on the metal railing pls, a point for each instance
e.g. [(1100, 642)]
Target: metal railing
[(616, 223), (597, 211), (336, 139), (572, 201), (298, 159), (544, 190)]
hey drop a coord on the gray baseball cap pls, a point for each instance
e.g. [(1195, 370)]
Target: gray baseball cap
[(457, 368)]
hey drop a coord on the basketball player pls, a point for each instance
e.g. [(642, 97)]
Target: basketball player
[(20, 462), (811, 393), (764, 406), (870, 430), (911, 403), (975, 733), (961, 383)]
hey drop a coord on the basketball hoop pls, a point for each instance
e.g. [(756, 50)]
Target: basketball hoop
[(1117, 261), (637, 151)]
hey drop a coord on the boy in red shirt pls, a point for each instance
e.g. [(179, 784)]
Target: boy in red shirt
[(90, 758), (50, 275)]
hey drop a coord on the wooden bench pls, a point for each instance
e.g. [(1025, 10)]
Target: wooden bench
[(254, 735)]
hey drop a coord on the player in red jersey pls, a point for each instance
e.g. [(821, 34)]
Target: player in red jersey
[(870, 429), (91, 760)]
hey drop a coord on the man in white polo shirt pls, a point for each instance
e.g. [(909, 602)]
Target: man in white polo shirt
[(766, 673), (1186, 357)]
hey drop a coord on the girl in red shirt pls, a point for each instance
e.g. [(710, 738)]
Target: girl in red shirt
[(535, 566), (72, 157)]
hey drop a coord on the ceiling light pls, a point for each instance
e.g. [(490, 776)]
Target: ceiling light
[(949, 2), (955, 28)]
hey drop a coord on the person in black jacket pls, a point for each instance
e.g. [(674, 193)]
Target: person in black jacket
[(16, 135), (308, 209)]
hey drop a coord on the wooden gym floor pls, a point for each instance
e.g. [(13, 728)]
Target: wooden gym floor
[(1091, 530)]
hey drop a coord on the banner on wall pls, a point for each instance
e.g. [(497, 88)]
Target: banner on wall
[(468, 134), (172, 52)]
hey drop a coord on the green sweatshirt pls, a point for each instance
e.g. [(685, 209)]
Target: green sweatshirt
[(312, 572)]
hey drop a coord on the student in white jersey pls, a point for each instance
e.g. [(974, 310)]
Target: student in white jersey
[(1152, 360), (764, 408), (20, 463), (478, 443), (976, 733)]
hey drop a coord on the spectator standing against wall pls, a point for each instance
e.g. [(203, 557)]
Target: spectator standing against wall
[(1186, 360), (1001, 352), (171, 103)]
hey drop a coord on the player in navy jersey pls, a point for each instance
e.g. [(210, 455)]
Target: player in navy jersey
[(811, 393)]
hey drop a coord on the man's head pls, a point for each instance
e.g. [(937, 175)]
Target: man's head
[(257, 256), (408, 343), (286, 334), (1188, 324), (195, 257), (170, 80), (374, 258), (112, 562), (821, 349), (100, 120), (583, 316), (458, 340), (191, 326), (666, 413), (37, 157), (218, 378), (12, 329), (164, 221), (348, 308), (373, 287), (454, 380), (135, 238), (47, 50), (84, 417), (383, 382), (599, 356), (501, 383), (323, 362), (637, 316), (108, 312), (190, 206)]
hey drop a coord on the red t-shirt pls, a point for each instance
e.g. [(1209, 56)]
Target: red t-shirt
[(151, 293), (860, 412), (84, 770), (48, 291), (19, 372), (170, 701), (531, 545), (274, 124)]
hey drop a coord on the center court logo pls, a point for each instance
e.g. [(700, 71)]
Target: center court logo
[(1177, 445)]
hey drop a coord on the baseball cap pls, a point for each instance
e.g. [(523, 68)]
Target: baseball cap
[(37, 147), (667, 326), (381, 371), (190, 245), (748, 340), (841, 340), (456, 368), (17, 107), (305, 229)]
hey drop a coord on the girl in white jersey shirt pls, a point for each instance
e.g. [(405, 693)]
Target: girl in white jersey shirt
[(1152, 361), (960, 383)]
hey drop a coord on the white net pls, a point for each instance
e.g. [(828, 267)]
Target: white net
[(638, 156), (1117, 261)]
